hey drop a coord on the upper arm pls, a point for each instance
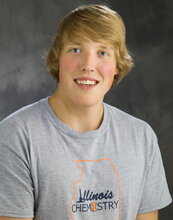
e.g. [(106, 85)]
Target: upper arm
[(16, 182), (148, 216), (9, 218)]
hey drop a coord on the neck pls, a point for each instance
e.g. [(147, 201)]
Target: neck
[(80, 118)]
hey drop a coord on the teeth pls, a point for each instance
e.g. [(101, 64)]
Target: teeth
[(86, 82)]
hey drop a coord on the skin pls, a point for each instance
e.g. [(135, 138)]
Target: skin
[(148, 216), (78, 107), (81, 107)]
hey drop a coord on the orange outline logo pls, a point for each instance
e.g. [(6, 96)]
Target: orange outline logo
[(93, 205)]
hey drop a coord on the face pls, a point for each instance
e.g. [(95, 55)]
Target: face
[(86, 72)]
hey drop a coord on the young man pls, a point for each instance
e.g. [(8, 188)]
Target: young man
[(71, 156)]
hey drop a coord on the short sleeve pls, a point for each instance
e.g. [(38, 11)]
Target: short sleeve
[(16, 188), (155, 194)]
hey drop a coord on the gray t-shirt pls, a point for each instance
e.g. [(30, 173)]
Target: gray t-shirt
[(51, 172)]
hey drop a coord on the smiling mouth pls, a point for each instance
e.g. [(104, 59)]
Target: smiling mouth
[(86, 82)]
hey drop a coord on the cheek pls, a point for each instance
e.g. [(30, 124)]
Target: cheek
[(108, 71), (108, 68), (67, 64)]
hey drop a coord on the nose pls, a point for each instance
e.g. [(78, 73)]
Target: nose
[(88, 63)]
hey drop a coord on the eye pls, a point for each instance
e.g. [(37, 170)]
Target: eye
[(103, 53), (75, 50)]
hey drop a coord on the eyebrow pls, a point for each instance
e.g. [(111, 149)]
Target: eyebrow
[(101, 46), (73, 43), (104, 47)]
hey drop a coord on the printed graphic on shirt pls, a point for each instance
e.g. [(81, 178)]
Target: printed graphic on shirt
[(96, 192)]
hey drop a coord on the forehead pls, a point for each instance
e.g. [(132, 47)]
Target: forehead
[(80, 38)]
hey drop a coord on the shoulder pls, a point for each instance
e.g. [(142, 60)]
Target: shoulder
[(133, 132), (128, 123), (22, 117)]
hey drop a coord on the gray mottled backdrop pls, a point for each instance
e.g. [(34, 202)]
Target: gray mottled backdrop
[(26, 30)]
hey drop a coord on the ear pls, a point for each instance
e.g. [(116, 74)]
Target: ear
[(116, 71)]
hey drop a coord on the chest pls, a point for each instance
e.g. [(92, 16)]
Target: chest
[(88, 178)]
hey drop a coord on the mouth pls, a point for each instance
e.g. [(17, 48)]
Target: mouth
[(86, 82)]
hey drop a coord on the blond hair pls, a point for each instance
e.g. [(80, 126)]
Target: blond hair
[(92, 22)]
